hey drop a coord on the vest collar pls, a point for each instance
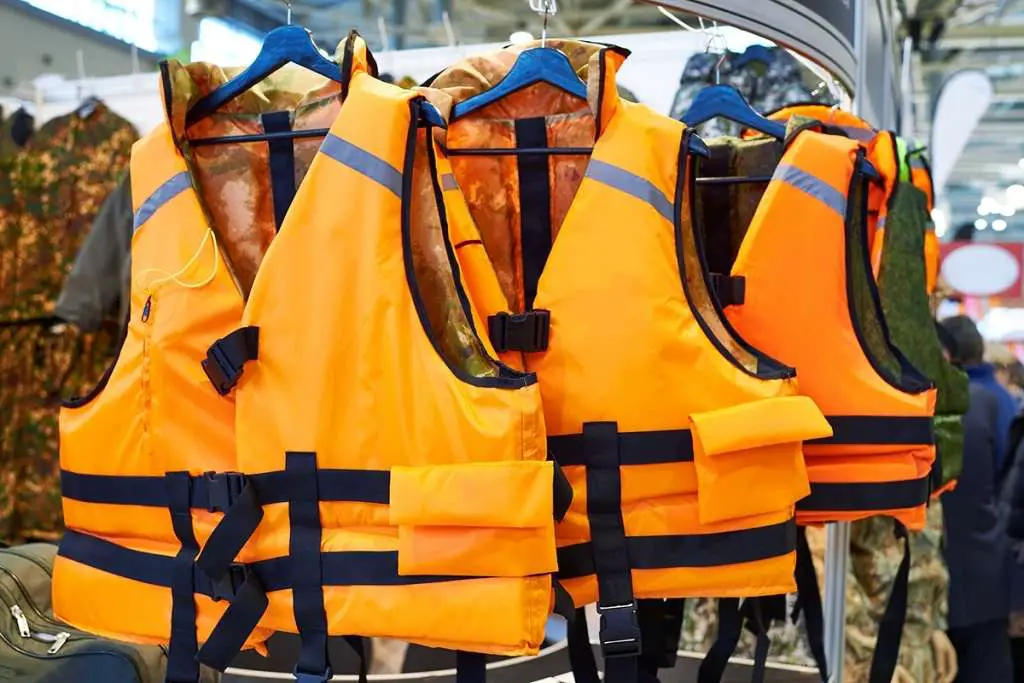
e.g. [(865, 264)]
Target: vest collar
[(596, 63)]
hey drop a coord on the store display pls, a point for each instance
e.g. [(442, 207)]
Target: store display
[(50, 191)]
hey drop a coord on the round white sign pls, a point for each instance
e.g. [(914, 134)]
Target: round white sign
[(980, 269)]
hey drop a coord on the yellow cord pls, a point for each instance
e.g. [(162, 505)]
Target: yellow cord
[(150, 287)]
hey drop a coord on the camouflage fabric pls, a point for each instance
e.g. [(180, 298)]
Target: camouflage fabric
[(50, 191), (902, 284)]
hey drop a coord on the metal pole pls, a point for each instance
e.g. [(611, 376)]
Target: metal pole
[(837, 544)]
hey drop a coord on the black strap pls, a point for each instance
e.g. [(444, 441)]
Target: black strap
[(730, 625), (527, 332), (248, 605), (878, 430), (730, 290), (470, 667), (581, 655), (358, 645), (226, 358), (635, 448), (619, 632), (809, 602), (661, 626), (562, 492), (890, 629), (696, 550), (867, 496), (282, 163), (535, 203), (182, 666), (308, 582), (231, 534)]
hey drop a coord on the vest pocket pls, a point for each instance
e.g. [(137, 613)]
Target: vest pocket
[(749, 458), (480, 519)]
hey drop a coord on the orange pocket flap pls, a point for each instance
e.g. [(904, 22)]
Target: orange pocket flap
[(760, 423), (512, 495), (749, 458)]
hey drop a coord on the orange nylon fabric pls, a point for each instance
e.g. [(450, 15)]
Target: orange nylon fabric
[(636, 339), (157, 412), (799, 278), (353, 303)]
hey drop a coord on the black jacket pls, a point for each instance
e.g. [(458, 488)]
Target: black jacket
[(976, 546)]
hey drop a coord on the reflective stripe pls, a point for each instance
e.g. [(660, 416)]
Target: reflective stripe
[(859, 134), (817, 188), (631, 184), (917, 161), (448, 182), (361, 161), (881, 221), (165, 193)]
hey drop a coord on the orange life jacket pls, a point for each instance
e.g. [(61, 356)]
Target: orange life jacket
[(921, 177), (148, 459), (682, 442), (811, 301)]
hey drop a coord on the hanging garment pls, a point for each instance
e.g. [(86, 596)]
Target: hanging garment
[(678, 491), (800, 280), (133, 452), (921, 178), (50, 192)]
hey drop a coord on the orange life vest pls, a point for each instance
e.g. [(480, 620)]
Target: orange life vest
[(682, 442), (811, 301), (921, 177)]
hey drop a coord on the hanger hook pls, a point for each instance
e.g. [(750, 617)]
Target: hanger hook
[(288, 6), (546, 8)]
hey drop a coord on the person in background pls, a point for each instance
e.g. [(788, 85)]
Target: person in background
[(976, 545)]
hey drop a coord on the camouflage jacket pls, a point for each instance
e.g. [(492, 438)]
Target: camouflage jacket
[(50, 192)]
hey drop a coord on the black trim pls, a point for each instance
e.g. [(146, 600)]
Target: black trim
[(282, 163), (867, 496), (467, 243), (75, 402), (346, 62), (507, 377), (691, 550), (635, 448), (535, 204), (598, 118), (767, 368), (168, 99), (879, 430), (910, 381)]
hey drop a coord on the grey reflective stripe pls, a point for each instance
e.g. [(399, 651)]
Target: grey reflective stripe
[(631, 184), (448, 182), (817, 188), (860, 134), (165, 193), (917, 162), (881, 221), (361, 161)]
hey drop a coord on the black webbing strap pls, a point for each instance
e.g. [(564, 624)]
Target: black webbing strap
[(226, 358), (527, 332), (358, 645), (730, 625), (248, 604), (308, 592), (619, 632), (878, 430), (730, 290), (867, 496), (535, 203), (890, 629), (809, 602), (635, 448), (581, 655), (661, 627), (182, 666), (231, 534), (758, 614), (562, 492), (470, 667), (282, 163)]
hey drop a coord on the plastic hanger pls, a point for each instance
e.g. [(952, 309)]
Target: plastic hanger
[(725, 101), (754, 53), (536, 65)]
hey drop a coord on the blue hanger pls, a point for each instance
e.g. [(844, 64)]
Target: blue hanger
[(754, 53), (536, 65), (288, 44), (725, 101)]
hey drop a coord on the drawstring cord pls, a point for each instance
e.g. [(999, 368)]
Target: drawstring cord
[(151, 287)]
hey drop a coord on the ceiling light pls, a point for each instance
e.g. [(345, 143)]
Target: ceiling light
[(940, 222), (980, 224), (1021, 163), (983, 210), (999, 225), (1007, 211)]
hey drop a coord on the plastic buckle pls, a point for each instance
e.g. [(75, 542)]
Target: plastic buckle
[(223, 489), (527, 332), (228, 585), (303, 677), (619, 631), (220, 370)]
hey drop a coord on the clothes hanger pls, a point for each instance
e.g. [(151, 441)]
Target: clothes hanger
[(754, 53), (725, 101), (289, 44), (536, 65)]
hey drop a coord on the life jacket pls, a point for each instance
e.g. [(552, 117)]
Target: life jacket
[(682, 442), (811, 300), (151, 461), (921, 178)]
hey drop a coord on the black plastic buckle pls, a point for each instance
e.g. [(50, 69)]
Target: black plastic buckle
[(619, 630), (527, 332), (223, 489), (227, 586), (303, 677), (222, 372), (731, 291)]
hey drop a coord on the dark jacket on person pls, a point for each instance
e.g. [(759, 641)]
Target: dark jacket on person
[(985, 375), (976, 547)]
